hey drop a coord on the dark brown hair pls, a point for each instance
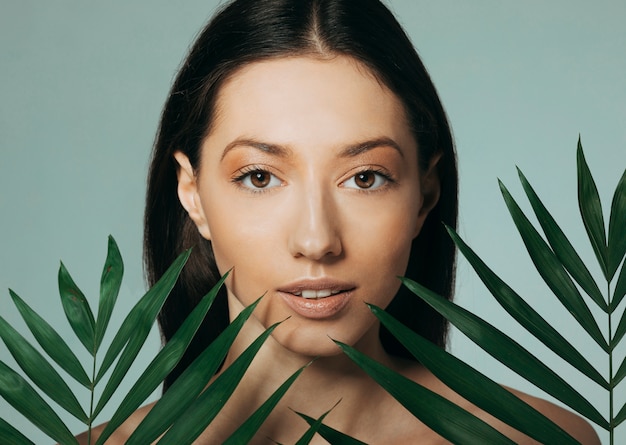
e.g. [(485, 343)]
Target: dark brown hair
[(246, 31)]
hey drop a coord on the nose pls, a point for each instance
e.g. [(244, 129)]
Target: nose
[(315, 232)]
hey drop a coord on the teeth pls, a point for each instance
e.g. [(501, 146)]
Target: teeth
[(316, 293)]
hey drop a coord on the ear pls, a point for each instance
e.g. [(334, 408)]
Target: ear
[(188, 194), (430, 189)]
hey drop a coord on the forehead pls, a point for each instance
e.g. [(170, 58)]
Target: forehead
[(296, 99)]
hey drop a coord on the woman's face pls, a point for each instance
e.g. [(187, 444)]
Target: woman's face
[(309, 188)]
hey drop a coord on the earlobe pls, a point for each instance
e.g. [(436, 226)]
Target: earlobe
[(188, 194)]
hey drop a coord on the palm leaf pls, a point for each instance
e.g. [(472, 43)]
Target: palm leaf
[(248, 429), (163, 363), (620, 288), (591, 210), (10, 435), (110, 284), (562, 247), (621, 416), (189, 384), (203, 410), (149, 303), (313, 429), (331, 435), (552, 272), (442, 416), (617, 227), (51, 342), (77, 310), (508, 352), (21, 396), (40, 371), (142, 321), (621, 330), (474, 386), (526, 315), (620, 374)]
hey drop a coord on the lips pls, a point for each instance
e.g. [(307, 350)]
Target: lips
[(317, 298)]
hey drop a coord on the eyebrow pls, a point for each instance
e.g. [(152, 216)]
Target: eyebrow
[(283, 151)]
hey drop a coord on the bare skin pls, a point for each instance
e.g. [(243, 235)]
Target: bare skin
[(321, 177)]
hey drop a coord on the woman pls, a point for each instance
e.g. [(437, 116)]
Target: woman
[(304, 146)]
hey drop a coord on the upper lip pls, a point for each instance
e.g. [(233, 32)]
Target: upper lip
[(317, 284)]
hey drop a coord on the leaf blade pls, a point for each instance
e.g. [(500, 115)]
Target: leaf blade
[(163, 363), (508, 352), (552, 272), (145, 304), (617, 227), (110, 284), (39, 371), (591, 210), (21, 396), (524, 314), (189, 384), (331, 435), (313, 429), (474, 386), (438, 413), (247, 430), (620, 289), (561, 246), (77, 310), (8, 434), (204, 409), (51, 342)]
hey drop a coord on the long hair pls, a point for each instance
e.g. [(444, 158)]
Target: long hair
[(247, 31)]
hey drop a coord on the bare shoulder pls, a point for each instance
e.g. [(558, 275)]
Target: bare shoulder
[(575, 425), (121, 435)]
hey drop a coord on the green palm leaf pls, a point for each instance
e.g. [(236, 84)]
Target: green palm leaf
[(110, 284), (591, 210), (51, 342), (617, 227), (189, 384), (621, 330), (148, 303), (77, 310), (474, 386), (508, 352), (40, 371), (203, 410), (620, 288), (442, 416), (10, 435), (620, 374), (248, 429), (562, 247), (163, 363), (621, 416), (313, 429), (526, 315), (331, 435), (142, 316), (21, 396), (552, 272)]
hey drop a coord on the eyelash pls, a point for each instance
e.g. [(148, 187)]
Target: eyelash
[(245, 173)]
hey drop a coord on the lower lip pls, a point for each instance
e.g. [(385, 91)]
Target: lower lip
[(317, 308)]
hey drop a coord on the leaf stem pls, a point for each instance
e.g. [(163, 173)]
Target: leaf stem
[(92, 389), (611, 379)]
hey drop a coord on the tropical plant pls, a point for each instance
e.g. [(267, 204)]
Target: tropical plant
[(561, 268), (187, 408)]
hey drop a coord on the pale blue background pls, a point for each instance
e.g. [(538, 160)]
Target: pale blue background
[(82, 84)]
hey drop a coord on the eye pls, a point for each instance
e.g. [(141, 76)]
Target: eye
[(366, 180), (258, 179)]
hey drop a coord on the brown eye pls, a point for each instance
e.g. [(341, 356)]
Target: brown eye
[(260, 179), (365, 180)]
